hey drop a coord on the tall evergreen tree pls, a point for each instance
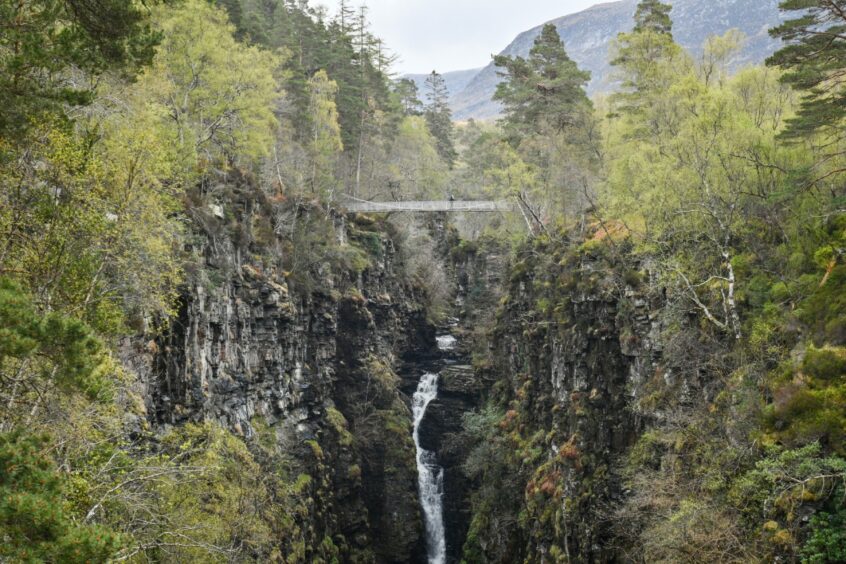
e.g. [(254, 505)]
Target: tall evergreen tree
[(347, 17), (815, 61), (408, 97), (647, 58), (547, 89), (439, 117), (653, 15)]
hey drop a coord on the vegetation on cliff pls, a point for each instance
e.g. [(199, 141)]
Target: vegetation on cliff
[(670, 361), (151, 153), (666, 358)]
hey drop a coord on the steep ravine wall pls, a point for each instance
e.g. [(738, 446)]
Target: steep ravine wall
[(575, 343), (313, 369)]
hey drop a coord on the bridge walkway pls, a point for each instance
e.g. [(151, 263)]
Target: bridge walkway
[(456, 206)]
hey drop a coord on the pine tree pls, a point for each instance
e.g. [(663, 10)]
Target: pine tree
[(34, 525), (545, 90), (41, 39), (45, 350), (647, 58), (815, 61), (439, 117), (347, 17), (408, 97), (653, 15)]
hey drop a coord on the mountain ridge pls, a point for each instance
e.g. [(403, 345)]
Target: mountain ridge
[(587, 36), (456, 81)]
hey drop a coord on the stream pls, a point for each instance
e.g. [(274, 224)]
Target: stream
[(430, 475)]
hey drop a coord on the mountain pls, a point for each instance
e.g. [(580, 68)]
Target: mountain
[(588, 34), (456, 81)]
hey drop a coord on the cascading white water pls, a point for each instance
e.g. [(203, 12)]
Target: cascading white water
[(430, 476), (446, 342)]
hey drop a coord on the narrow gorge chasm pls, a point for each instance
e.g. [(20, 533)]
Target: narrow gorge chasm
[(490, 432), (341, 383), (265, 299), (498, 405)]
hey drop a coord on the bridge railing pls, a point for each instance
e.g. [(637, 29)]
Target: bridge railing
[(488, 206)]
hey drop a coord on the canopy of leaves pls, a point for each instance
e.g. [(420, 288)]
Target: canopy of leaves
[(326, 144), (38, 351), (45, 42), (218, 93), (33, 524)]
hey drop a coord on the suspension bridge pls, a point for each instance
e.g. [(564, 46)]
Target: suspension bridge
[(457, 206)]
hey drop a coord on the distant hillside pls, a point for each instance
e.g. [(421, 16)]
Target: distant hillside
[(456, 81), (587, 36)]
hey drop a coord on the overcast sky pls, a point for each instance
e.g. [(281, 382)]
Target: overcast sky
[(447, 35)]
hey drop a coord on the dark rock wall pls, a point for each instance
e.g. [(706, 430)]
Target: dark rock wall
[(574, 344), (317, 367)]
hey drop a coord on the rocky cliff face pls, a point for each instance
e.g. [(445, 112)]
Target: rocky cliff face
[(576, 341), (314, 366)]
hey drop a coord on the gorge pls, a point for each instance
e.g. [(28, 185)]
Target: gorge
[(261, 301)]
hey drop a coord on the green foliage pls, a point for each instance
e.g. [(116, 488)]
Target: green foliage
[(653, 16), (406, 91), (43, 40), (547, 90), (828, 364), (215, 114), (827, 540), (225, 504), (810, 411), (551, 131), (439, 117), (481, 427), (814, 61), (104, 219), (43, 352), (785, 479), (686, 153), (325, 145), (414, 163), (648, 62), (34, 525)]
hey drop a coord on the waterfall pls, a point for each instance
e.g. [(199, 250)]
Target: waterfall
[(430, 476), (446, 342)]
